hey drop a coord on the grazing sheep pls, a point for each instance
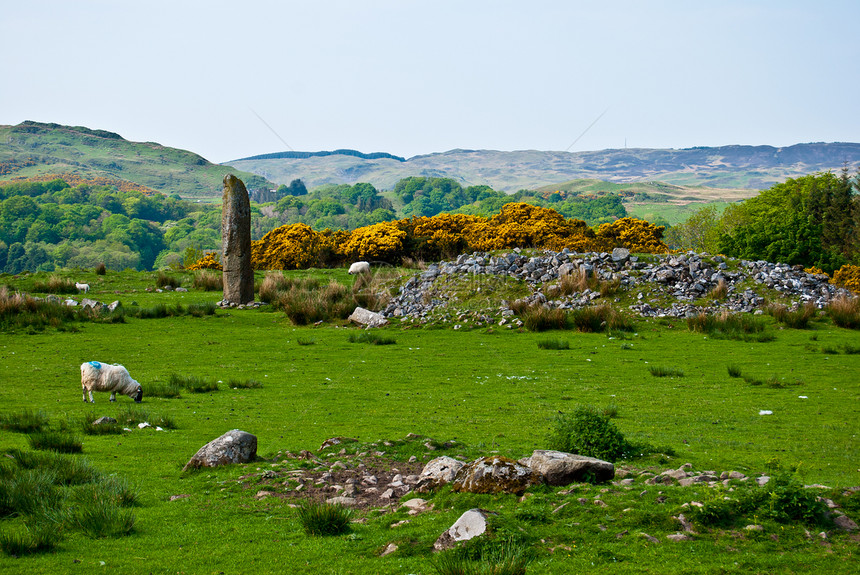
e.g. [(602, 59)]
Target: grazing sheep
[(83, 287), (359, 268), (96, 376)]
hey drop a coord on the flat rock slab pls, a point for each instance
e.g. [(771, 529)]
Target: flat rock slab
[(560, 468), (471, 524), (367, 318), (235, 446)]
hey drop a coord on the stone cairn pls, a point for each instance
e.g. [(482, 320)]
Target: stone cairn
[(236, 243), (666, 285)]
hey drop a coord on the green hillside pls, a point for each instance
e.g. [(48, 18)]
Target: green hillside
[(33, 149)]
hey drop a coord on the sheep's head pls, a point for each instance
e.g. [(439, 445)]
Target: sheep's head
[(139, 396)]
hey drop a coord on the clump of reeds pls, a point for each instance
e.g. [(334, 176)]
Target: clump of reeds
[(797, 319), (844, 311), (56, 285), (371, 338), (555, 344), (208, 280)]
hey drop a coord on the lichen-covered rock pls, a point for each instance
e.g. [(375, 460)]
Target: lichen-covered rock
[(560, 468), (438, 472), (235, 446), (471, 524), (495, 475), (236, 242)]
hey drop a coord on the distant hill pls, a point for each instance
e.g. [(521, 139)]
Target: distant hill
[(729, 167), (34, 149)]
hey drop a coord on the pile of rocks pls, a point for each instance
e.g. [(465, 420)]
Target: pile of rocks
[(669, 285)]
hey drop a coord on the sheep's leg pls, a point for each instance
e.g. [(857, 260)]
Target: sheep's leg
[(85, 394), (91, 397), (113, 396)]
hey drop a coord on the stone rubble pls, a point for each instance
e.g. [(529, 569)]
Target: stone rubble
[(669, 285)]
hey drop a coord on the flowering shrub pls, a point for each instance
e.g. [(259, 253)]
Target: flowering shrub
[(295, 246), (207, 262), (635, 235), (815, 271), (847, 276), (382, 241), (445, 235)]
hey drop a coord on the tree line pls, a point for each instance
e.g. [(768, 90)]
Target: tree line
[(812, 220)]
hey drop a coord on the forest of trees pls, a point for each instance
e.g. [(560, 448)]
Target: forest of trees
[(813, 220)]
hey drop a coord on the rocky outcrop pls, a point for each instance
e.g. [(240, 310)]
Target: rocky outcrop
[(559, 468), (235, 446), (683, 280)]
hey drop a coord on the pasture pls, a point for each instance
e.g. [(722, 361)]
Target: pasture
[(486, 390)]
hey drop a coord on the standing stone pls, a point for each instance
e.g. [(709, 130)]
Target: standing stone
[(236, 242)]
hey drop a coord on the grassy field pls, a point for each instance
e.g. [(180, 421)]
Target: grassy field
[(488, 390)]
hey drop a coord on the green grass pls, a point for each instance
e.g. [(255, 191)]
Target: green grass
[(487, 392)]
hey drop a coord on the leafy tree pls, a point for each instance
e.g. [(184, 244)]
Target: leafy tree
[(807, 221)]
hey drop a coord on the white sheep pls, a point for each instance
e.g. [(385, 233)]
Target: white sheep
[(82, 287), (97, 376), (359, 268)]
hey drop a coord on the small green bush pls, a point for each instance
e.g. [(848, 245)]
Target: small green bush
[(323, 518), (734, 371), (305, 341), (100, 269), (588, 432), (783, 499)]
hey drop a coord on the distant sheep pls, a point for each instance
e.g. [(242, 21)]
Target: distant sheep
[(359, 268), (83, 287), (96, 376)]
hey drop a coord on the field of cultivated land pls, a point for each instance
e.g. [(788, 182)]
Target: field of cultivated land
[(468, 393)]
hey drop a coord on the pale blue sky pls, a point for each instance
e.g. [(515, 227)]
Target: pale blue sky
[(419, 77)]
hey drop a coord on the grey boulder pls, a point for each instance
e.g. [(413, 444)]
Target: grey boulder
[(235, 446), (560, 468)]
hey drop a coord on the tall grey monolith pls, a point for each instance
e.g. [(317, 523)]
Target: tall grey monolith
[(236, 242)]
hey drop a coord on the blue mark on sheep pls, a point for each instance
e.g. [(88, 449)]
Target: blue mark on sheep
[(96, 364)]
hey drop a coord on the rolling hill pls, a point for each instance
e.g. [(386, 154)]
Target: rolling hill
[(726, 167), (34, 149)]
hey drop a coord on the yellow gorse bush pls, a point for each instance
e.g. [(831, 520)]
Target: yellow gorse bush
[(208, 262), (633, 234), (847, 276), (382, 241), (445, 235)]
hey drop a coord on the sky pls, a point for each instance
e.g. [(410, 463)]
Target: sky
[(233, 79)]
